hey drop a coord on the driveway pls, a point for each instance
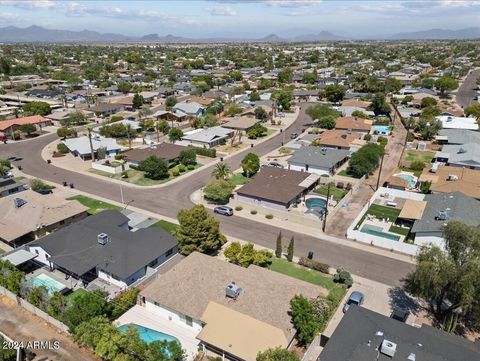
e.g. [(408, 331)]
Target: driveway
[(467, 92)]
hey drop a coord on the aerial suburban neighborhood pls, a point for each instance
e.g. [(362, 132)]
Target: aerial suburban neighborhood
[(219, 195)]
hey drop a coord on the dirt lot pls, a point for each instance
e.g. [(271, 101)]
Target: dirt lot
[(21, 325)]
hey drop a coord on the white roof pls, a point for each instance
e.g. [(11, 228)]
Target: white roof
[(189, 108), (19, 256), (451, 122), (82, 145), (207, 135)]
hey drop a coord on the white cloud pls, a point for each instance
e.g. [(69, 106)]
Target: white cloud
[(28, 4), (291, 3), (221, 11), (9, 17)]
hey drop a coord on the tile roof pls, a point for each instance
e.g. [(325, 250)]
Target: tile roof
[(34, 119)]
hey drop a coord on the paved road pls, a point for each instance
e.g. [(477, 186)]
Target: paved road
[(170, 199), (467, 91)]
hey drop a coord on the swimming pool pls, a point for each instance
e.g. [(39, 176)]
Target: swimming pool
[(312, 203), (148, 335), (376, 231), (409, 178), (382, 129), (49, 283)]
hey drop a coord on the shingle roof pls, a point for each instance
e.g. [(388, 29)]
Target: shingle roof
[(468, 181), (318, 156), (460, 136), (188, 107), (353, 123), (168, 151), (82, 144), (464, 154), (199, 279), (75, 247), (207, 135), (358, 327)]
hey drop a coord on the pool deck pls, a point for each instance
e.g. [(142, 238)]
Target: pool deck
[(140, 316)]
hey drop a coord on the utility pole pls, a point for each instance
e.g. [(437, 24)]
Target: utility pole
[(326, 208), (380, 171), (121, 195)]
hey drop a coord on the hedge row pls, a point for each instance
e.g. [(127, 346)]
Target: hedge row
[(315, 265), (207, 152)]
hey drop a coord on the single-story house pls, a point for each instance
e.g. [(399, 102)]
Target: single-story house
[(208, 137), (457, 136), (102, 246), (277, 188), (318, 160), (80, 147), (167, 151), (452, 122), (453, 179), (106, 109), (364, 335), (347, 111), (354, 124), (11, 125), (235, 312), (190, 108), (355, 103), (440, 209), (202, 100), (30, 215), (396, 182), (239, 123), (57, 117), (10, 186), (340, 139), (460, 155)]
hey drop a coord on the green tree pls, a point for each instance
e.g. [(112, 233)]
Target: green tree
[(425, 187), (446, 83), (235, 75), (188, 157), (57, 305), (360, 114), (124, 301), (428, 128), (138, 101), (222, 171), (28, 128), (260, 113), (254, 96), (277, 354), (6, 354), (10, 277), (233, 110), (393, 85), (428, 83), (124, 86), (428, 102), (170, 102), (309, 78), (175, 134), (304, 320), (250, 164), (335, 92), (379, 104), (37, 108), (365, 160), (64, 132), (279, 248), (218, 191), (154, 167), (473, 110), (86, 306), (285, 76), (257, 131), (342, 276), (290, 249), (246, 255), (74, 118), (198, 231), (324, 115), (449, 279), (283, 98)]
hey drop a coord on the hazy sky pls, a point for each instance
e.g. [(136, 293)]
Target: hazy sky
[(255, 18)]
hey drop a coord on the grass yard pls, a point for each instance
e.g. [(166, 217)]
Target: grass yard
[(344, 173), (381, 212), (337, 193), (20, 178), (166, 225), (415, 155), (399, 230), (94, 205), (239, 179), (74, 295), (270, 131)]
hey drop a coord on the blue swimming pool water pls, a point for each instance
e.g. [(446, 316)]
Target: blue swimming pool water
[(315, 203), (375, 232), (409, 178), (382, 129), (49, 283), (148, 335)]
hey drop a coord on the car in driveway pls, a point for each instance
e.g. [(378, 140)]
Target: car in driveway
[(274, 165), (293, 136), (356, 298), (223, 210)]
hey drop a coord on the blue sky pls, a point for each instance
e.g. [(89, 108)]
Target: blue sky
[(242, 18)]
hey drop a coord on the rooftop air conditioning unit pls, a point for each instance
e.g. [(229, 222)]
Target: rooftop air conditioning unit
[(442, 216), (388, 348), (452, 177), (232, 291), (103, 239)]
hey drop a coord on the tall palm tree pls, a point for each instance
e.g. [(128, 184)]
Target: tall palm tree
[(89, 132), (129, 129), (158, 128), (222, 171)]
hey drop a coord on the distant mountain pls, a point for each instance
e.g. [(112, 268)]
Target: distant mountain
[(271, 38), (321, 36), (439, 34)]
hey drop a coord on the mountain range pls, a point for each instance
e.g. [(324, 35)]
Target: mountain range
[(38, 34)]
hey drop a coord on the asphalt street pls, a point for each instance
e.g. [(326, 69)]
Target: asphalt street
[(467, 92), (170, 199)]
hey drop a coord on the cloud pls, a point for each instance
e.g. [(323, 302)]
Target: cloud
[(30, 5), (221, 11), (291, 3), (9, 17)]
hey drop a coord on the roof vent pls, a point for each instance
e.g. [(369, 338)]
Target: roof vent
[(103, 239), (441, 216), (19, 202), (411, 357), (461, 150), (232, 291), (388, 348)]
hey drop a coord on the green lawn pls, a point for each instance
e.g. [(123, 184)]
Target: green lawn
[(424, 156), (416, 173), (94, 205), (20, 178), (381, 212), (75, 294), (239, 179), (399, 230), (270, 131), (337, 193), (166, 225), (344, 173)]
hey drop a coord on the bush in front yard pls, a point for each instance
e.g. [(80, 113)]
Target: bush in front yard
[(182, 168), (238, 208), (344, 277), (315, 265), (253, 211), (175, 172), (218, 191), (62, 148), (417, 165), (190, 167), (269, 216)]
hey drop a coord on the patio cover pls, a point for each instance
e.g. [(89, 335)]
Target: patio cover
[(19, 257), (311, 179), (412, 209)]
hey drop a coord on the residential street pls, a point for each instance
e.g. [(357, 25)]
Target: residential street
[(467, 91), (170, 199)]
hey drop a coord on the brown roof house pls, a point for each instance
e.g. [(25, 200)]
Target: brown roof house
[(233, 312), (277, 188), (340, 139), (454, 179), (239, 123), (167, 151), (28, 215), (354, 124)]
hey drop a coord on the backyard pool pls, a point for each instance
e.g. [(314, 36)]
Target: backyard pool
[(382, 129), (49, 283), (315, 203), (148, 335), (409, 178), (378, 231)]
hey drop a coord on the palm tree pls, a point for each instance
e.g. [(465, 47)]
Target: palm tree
[(222, 171), (158, 129), (89, 132), (129, 129)]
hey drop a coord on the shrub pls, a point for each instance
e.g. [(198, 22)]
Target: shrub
[(181, 168), (206, 152), (62, 148), (238, 208), (218, 190), (175, 172), (246, 255), (382, 140), (124, 174), (367, 137), (269, 216), (37, 184), (417, 165), (315, 265), (190, 167), (253, 211), (118, 157), (344, 277), (304, 320)]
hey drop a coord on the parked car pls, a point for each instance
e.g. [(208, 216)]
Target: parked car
[(281, 115), (223, 210), (356, 298), (293, 135), (274, 165), (45, 191)]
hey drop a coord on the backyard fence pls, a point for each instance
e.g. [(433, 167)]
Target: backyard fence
[(313, 351), (35, 310)]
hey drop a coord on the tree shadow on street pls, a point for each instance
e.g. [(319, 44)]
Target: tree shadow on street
[(400, 299)]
